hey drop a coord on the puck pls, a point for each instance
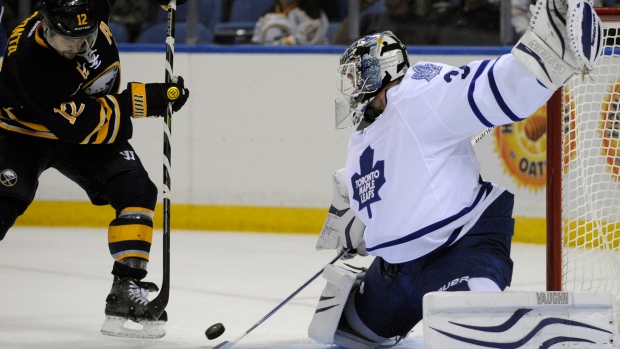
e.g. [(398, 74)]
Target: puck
[(214, 331)]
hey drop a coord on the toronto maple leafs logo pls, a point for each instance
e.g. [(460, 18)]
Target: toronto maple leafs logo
[(425, 71), (366, 185)]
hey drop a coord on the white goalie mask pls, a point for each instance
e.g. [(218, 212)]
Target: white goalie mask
[(365, 67)]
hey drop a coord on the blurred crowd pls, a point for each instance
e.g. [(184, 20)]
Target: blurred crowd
[(312, 22)]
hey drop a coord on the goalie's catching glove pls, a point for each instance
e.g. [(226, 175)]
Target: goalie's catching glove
[(152, 99), (342, 229), (564, 37)]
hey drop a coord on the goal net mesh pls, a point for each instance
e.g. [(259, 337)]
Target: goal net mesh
[(590, 183)]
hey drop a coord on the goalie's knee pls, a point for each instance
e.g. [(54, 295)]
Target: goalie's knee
[(336, 320), (340, 282)]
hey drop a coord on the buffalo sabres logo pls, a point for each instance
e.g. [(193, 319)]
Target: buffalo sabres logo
[(8, 178)]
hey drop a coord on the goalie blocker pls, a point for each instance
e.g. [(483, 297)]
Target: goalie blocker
[(519, 319)]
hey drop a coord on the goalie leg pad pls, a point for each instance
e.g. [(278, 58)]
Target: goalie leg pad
[(530, 319), (328, 312)]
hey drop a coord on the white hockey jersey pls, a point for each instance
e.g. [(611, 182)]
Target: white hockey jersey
[(414, 176)]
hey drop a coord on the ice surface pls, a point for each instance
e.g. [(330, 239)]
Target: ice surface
[(55, 281)]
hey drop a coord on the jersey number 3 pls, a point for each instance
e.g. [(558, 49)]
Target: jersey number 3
[(464, 71)]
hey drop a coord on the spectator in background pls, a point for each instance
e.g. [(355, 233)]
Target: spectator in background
[(133, 14), (472, 22), (520, 16), (293, 22), (11, 13), (409, 20), (341, 36), (433, 22), (332, 10)]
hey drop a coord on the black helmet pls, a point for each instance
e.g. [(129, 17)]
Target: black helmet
[(72, 18)]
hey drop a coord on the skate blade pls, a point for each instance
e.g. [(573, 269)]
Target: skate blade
[(118, 326)]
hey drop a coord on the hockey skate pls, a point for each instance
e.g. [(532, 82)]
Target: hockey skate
[(127, 312)]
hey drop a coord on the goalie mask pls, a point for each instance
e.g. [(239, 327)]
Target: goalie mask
[(73, 21), (365, 68)]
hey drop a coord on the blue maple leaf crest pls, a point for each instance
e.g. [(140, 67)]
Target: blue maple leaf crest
[(366, 185), (425, 71)]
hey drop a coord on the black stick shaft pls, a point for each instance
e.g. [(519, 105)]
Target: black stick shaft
[(157, 305)]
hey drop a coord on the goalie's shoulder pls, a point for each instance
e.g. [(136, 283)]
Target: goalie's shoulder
[(425, 71)]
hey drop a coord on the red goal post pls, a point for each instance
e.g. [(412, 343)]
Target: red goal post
[(583, 175)]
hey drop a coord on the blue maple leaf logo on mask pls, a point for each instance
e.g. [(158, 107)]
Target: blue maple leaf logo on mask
[(366, 185)]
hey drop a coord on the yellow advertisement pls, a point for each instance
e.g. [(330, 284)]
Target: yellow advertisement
[(522, 147)]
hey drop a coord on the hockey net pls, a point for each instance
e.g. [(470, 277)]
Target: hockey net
[(583, 175)]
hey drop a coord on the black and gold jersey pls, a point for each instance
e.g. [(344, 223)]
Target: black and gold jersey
[(43, 94)]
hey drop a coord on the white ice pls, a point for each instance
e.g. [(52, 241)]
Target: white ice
[(54, 282)]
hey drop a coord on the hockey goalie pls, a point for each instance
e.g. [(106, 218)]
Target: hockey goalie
[(412, 193)]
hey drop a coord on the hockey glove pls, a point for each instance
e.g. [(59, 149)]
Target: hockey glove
[(564, 37), (152, 99), (585, 32), (342, 229)]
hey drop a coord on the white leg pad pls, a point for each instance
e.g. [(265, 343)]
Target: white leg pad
[(325, 321), (518, 319)]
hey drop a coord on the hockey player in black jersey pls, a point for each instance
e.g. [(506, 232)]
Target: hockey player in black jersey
[(61, 107)]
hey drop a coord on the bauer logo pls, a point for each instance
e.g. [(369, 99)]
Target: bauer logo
[(8, 178), (367, 183)]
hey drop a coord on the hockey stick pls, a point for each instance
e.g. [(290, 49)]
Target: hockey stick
[(227, 344), (157, 305)]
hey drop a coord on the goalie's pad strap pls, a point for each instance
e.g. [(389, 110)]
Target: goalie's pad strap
[(548, 67), (531, 319)]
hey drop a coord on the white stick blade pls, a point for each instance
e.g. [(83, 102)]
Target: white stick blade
[(224, 345)]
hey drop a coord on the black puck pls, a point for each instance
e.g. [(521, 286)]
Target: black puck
[(214, 331)]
